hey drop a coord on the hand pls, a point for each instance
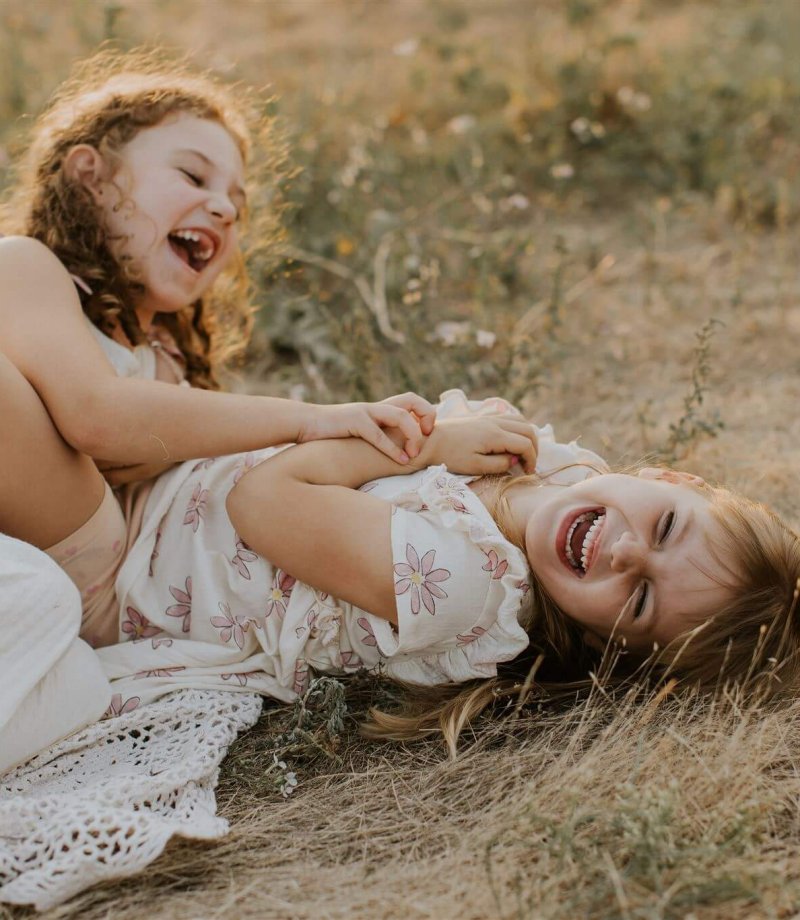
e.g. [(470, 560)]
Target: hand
[(411, 415), (478, 446)]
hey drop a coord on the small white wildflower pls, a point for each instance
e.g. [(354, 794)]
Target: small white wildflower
[(407, 48), (562, 171), (642, 102), (515, 202), (461, 124), (450, 332), (289, 785), (419, 136), (580, 126), (625, 95), (485, 338)]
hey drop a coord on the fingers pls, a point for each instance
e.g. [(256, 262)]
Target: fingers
[(494, 463), (511, 436), (389, 415), (373, 434), (411, 402), (524, 447)]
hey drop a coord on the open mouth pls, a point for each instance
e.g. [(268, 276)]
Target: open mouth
[(195, 248), (577, 539)]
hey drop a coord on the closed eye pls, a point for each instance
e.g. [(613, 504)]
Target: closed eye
[(192, 177), (641, 601), (667, 526)]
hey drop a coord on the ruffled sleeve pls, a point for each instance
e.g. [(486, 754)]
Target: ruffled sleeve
[(460, 586)]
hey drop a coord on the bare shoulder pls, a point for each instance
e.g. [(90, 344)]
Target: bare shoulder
[(26, 260), (34, 284)]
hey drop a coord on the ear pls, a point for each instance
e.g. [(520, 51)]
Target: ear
[(675, 476), (84, 164)]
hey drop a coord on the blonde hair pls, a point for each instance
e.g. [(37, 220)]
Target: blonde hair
[(106, 101), (752, 641)]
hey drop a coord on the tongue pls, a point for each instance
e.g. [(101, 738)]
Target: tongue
[(576, 543), (180, 249)]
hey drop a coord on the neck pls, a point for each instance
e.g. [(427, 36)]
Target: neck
[(521, 499), (145, 318)]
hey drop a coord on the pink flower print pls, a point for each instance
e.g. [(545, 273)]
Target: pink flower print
[(203, 464), (300, 676), (137, 626), (351, 661), (247, 464), (241, 677), (311, 619), (452, 491), (196, 509), (369, 639), (117, 708), (419, 576), (523, 586), (495, 565), (161, 672), (161, 640), (475, 633), (243, 555), (230, 625), (279, 593), (154, 554), (184, 606)]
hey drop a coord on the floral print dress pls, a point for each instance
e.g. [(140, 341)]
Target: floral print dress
[(199, 608)]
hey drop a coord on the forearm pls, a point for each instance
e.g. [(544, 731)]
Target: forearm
[(348, 462), (118, 474), (139, 421)]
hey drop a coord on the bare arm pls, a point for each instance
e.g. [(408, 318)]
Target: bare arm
[(299, 508), (129, 421), (116, 474)]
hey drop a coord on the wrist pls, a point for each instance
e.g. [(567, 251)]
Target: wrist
[(306, 422), (430, 452)]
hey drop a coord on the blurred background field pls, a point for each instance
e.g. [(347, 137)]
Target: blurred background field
[(591, 208)]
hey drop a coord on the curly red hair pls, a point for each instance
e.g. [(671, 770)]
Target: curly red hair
[(106, 101)]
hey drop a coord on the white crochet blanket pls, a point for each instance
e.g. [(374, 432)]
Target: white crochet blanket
[(103, 803)]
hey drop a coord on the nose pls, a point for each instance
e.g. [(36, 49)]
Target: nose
[(628, 554), (219, 205)]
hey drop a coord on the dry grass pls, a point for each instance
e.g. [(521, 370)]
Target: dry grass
[(605, 808)]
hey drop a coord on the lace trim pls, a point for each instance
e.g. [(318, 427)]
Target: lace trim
[(103, 803)]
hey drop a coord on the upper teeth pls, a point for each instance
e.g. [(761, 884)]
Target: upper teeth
[(195, 237), (588, 540)]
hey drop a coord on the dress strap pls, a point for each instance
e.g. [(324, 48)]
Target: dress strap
[(81, 284)]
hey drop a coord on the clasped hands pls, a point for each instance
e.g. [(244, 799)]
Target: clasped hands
[(405, 428)]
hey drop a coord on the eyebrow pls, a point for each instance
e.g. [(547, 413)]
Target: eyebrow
[(688, 520), (209, 162)]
